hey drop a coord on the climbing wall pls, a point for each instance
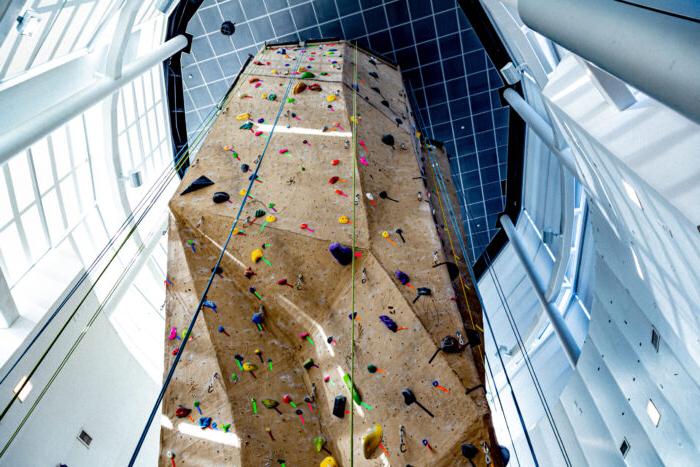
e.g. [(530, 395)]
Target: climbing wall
[(271, 354)]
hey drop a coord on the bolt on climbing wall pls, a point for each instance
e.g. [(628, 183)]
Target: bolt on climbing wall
[(332, 329)]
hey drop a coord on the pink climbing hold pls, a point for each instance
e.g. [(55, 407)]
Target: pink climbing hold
[(362, 143), (258, 133), (363, 161), (284, 151), (258, 84), (173, 333)]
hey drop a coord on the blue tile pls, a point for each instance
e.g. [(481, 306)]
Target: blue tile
[(487, 158), (231, 11), (456, 88), (435, 94), (460, 107), (454, 67), (442, 5), (304, 16), (483, 122), (501, 136), (475, 61), (211, 19), (325, 10), (402, 36), (294, 37), (397, 13), (201, 97), (221, 44), (424, 29), (242, 37), (375, 19), (201, 48), (462, 126), (218, 89), (442, 132), (440, 114), (407, 58), (381, 42), (432, 74), (485, 141), (195, 27), (428, 52), (446, 23), (419, 8), (210, 70), (254, 9), (311, 33), (480, 102), (262, 29), (413, 77), (332, 29), (370, 3), (449, 46), (346, 7), (478, 82), (466, 146), (274, 5), (354, 26), (282, 23), (470, 42)]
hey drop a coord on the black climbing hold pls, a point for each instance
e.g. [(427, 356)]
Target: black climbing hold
[(341, 253), (449, 344), (398, 121), (259, 213), (198, 184), (219, 270), (220, 197), (385, 103), (385, 195), (376, 89), (409, 398), (469, 451), (245, 168), (339, 406), (473, 337), (452, 269), (228, 28), (374, 74), (422, 291), (372, 368), (388, 139), (372, 61)]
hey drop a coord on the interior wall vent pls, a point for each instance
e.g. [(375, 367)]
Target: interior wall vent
[(624, 447), (85, 438)]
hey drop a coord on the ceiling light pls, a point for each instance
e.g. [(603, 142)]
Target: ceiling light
[(653, 412)]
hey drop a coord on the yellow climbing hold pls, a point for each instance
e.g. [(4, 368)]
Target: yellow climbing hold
[(328, 462), (270, 218), (274, 72), (353, 119), (256, 255), (244, 116), (385, 234), (343, 220), (330, 97), (372, 440), (242, 192), (264, 95), (249, 366)]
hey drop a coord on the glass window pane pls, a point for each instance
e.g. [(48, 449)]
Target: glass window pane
[(70, 201), (61, 152), (77, 141), (53, 216), (34, 232), (84, 179), (13, 253), (21, 180), (5, 209)]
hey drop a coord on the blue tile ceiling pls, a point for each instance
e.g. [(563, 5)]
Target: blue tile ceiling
[(444, 64)]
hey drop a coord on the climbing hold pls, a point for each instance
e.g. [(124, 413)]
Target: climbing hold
[(306, 227), (372, 440), (389, 323), (223, 331), (299, 87), (250, 367), (385, 103), (182, 412), (256, 255), (272, 97), (244, 116), (372, 368), (319, 442), (385, 195), (469, 451), (339, 406), (209, 304), (388, 139), (198, 184), (376, 89), (259, 213), (344, 220), (449, 344), (409, 398), (245, 168), (398, 121), (253, 80), (335, 162), (309, 363), (307, 75), (422, 291), (220, 197), (228, 28), (330, 97), (283, 151), (246, 126), (291, 100), (373, 74), (284, 282), (352, 388), (271, 404), (402, 277), (436, 384), (341, 253), (315, 87)]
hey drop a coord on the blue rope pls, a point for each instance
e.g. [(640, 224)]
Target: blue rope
[(186, 337)]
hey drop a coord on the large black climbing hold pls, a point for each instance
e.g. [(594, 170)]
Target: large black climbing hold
[(449, 344), (388, 139), (228, 28), (245, 168), (220, 197), (385, 103), (339, 406), (372, 61), (473, 337), (469, 451), (198, 184), (375, 89), (374, 74), (259, 213), (341, 253), (452, 269)]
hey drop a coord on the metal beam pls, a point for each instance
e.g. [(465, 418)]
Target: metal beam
[(48, 119), (654, 52), (561, 329)]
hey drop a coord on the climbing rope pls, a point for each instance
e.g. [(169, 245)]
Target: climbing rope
[(355, 121), (203, 297)]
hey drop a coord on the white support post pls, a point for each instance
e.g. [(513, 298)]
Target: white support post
[(8, 307), (561, 329)]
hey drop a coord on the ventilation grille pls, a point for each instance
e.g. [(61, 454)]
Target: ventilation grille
[(85, 438)]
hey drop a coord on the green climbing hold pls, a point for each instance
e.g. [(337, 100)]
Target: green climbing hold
[(324, 73), (306, 75), (319, 442), (270, 403), (246, 126), (291, 100), (351, 387), (272, 97)]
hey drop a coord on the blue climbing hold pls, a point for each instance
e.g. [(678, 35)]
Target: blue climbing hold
[(341, 253)]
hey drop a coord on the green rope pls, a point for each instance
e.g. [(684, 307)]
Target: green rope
[(354, 241)]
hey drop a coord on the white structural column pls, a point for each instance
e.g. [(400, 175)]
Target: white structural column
[(560, 327), (43, 123), (8, 308)]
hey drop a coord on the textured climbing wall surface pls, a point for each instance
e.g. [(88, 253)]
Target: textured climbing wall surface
[(304, 292)]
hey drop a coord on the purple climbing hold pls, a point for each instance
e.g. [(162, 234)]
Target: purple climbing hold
[(402, 277), (389, 323), (341, 253)]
